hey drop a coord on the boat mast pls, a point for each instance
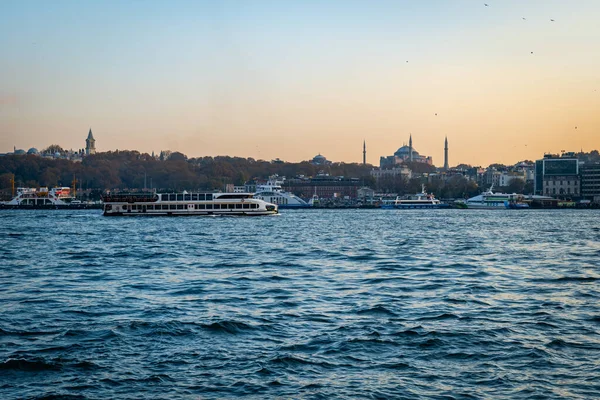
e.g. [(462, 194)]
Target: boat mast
[(74, 183), (12, 182)]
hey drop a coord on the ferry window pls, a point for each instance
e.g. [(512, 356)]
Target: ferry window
[(217, 206), (201, 206), (209, 196), (150, 207), (246, 205), (172, 207), (254, 206), (209, 206), (194, 197), (231, 206), (179, 197), (164, 207), (108, 207), (201, 197), (180, 206), (238, 206), (187, 197)]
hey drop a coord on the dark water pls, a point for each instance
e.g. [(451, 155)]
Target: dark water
[(308, 304)]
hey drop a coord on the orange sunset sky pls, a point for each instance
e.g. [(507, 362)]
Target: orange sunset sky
[(268, 79)]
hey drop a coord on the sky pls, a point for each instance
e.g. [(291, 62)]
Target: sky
[(292, 79)]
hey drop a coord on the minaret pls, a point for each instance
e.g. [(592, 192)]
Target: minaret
[(90, 144), (410, 148), (364, 152), (446, 155)]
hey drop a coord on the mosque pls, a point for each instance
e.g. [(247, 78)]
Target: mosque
[(404, 154)]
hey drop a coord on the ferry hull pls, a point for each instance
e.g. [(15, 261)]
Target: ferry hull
[(414, 206), (189, 214)]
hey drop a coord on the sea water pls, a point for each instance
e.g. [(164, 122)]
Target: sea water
[(315, 304)]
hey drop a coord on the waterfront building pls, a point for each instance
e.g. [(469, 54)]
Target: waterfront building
[(401, 170), (366, 195), (590, 182), (506, 178), (490, 177), (557, 176), (406, 153), (324, 186)]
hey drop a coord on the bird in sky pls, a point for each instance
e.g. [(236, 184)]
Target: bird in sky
[(485, 4), (551, 20), (524, 19), (532, 52)]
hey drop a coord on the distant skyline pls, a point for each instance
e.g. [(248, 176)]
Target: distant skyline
[(289, 80)]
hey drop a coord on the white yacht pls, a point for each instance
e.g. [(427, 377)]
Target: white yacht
[(490, 200), (272, 192), (419, 200), (129, 204)]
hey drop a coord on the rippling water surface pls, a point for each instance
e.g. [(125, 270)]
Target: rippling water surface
[(308, 304)]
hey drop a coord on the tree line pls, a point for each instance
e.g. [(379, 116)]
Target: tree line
[(132, 170)]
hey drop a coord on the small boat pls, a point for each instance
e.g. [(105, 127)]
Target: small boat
[(174, 204), (419, 200)]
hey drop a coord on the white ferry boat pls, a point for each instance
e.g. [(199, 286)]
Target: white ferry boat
[(272, 192), (41, 198), (489, 200), (185, 203), (419, 200)]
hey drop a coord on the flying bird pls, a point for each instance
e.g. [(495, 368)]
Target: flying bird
[(551, 20), (485, 4), (532, 52), (524, 19)]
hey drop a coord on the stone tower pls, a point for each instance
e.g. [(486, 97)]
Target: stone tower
[(446, 167), (90, 144)]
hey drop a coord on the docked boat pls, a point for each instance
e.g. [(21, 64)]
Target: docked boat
[(44, 198), (272, 192), (419, 200), (131, 204), (490, 201)]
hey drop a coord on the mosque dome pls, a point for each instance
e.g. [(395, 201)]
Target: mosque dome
[(404, 151), (33, 150), (20, 152), (319, 159)]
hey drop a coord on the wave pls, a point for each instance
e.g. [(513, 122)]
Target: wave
[(29, 365), (439, 317), (231, 327), (376, 310)]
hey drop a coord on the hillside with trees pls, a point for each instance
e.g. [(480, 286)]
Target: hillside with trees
[(127, 170)]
